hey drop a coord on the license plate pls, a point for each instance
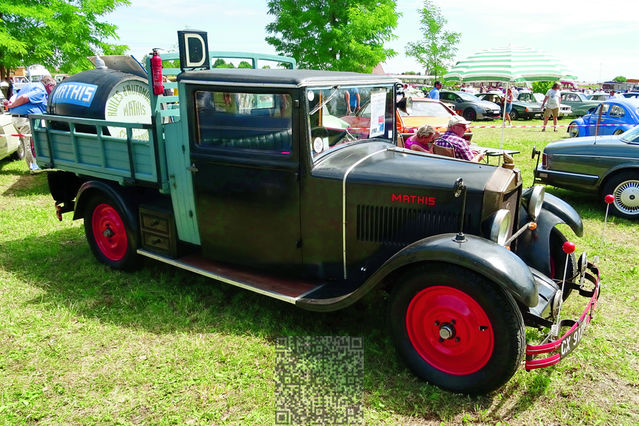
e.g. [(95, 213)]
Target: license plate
[(571, 340)]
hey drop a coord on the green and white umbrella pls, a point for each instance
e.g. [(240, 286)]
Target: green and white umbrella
[(510, 64)]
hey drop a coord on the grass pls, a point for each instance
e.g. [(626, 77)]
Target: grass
[(80, 343)]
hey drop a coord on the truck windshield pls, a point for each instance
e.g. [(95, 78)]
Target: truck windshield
[(345, 114)]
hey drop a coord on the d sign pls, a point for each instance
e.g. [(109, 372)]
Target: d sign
[(194, 50)]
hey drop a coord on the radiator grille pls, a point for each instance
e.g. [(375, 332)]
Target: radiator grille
[(401, 226)]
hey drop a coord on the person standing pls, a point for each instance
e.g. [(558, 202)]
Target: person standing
[(509, 104), (30, 99), (551, 102), (352, 98), (434, 92)]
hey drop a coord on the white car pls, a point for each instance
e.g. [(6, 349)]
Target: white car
[(564, 110), (8, 144)]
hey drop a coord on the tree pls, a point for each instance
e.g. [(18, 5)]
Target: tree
[(221, 63), (439, 46), (619, 79), (339, 35), (542, 86), (58, 34)]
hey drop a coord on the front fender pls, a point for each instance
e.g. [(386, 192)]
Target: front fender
[(476, 254), (533, 247)]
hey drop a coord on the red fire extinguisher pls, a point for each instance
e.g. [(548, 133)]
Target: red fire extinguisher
[(156, 73)]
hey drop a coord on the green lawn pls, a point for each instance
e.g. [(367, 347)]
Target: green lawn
[(80, 343)]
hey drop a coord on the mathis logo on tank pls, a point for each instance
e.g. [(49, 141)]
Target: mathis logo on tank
[(128, 101)]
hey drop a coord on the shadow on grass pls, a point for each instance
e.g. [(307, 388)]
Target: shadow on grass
[(27, 184), (162, 299)]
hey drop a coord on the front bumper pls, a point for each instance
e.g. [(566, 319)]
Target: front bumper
[(560, 347)]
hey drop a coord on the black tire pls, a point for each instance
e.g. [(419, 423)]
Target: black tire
[(481, 351), (514, 115), (112, 239), (558, 260), (624, 187), (470, 114), (573, 131), (19, 154), (618, 132)]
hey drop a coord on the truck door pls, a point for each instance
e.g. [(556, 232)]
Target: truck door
[(246, 176)]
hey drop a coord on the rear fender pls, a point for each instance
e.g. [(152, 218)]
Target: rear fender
[(479, 255), (95, 187), (533, 247)]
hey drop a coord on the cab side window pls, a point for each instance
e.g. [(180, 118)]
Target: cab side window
[(244, 121)]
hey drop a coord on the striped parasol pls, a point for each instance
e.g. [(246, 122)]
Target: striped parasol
[(509, 64)]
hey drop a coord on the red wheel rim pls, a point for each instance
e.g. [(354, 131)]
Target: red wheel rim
[(109, 232), (449, 330)]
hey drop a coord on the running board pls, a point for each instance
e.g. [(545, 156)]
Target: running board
[(283, 289)]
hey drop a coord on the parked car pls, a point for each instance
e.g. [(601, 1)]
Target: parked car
[(614, 117), (469, 106), (521, 109), (426, 111), (578, 102), (415, 113), (602, 164), (599, 96), (538, 98), (9, 145)]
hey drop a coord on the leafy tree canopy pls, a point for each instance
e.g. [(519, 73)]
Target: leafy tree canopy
[(542, 86), (438, 46), (58, 34), (338, 35), (619, 79)]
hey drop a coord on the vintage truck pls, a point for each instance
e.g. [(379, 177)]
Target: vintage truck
[(244, 177)]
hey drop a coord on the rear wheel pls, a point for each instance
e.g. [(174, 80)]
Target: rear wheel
[(111, 238), (456, 329), (514, 115), (573, 131), (19, 154), (624, 187), (470, 114), (618, 132)]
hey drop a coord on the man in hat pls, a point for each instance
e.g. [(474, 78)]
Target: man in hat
[(453, 138)]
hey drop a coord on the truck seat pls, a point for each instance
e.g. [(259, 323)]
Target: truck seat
[(276, 141)]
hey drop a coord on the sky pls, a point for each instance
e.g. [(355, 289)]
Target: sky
[(596, 43)]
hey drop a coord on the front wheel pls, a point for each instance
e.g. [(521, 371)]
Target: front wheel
[(624, 188), (573, 131), (111, 238), (618, 132), (514, 115), (470, 114), (456, 329)]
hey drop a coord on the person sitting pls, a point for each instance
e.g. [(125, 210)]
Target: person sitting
[(422, 139), (453, 138)]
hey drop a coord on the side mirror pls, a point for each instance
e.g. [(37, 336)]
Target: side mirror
[(405, 105)]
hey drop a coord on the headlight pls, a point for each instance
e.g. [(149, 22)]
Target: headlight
[(500, 226), (536, 201)]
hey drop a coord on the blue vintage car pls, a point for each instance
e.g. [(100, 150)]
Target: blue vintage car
[(600, 164), (614, 116)]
